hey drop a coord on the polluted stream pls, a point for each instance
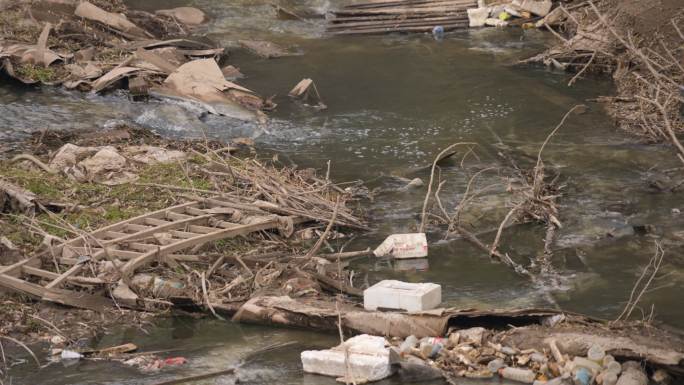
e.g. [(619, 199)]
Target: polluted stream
[(393, 103)]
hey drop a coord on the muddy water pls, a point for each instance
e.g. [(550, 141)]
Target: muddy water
[(394, 102)]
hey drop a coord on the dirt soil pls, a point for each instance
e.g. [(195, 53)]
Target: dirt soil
[(641, 45)]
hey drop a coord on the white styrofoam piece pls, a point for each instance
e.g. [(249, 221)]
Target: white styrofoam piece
[(403, 246), (477, 16), (391, 294), (368, 358)]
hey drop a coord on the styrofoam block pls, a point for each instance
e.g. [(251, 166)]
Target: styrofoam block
[(391, 294), (368, 358), (403, 246), (477, 16)]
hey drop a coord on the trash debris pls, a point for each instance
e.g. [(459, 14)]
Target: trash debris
[(201, 81), (495, 22), (399, 16), (478, 16), (412, 297), (116, 21), (70, 355), (306, 90), (364, 358), (403, 246)]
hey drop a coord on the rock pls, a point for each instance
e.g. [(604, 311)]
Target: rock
[(537, 7), (390, 294), (69, 155), (367, 358), (186, 15), (107, 166)]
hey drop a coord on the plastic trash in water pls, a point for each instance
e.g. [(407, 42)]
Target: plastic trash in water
[(504, 16), (409, 343), (582, 377), (403, 246), (71, 355), (438, 32), (520, 375), (430, 350), (596, 353), (495, 365)]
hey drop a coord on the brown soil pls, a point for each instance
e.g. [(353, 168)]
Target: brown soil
[(641, 44)]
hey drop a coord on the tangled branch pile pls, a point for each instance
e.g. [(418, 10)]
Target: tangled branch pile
[(642, 46)]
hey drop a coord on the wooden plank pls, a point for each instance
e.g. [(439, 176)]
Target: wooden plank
[(15, 268), (130, 266), (120, 225), (21, 286), (201, 229), (144, 247), (136, 227), (71, 271), (77, 299), (400, 23), (177, 216), (161, 227), (115, 235), (372, 31), (51, 275), (182, 234), (394, 3)]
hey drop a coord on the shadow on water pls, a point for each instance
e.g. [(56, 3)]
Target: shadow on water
[(394, 102)]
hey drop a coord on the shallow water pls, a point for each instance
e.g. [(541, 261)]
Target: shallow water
[(394, 102)]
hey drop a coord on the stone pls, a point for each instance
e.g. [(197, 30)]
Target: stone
[(186, 15), (412, 297), (362, 358), (537, 7)]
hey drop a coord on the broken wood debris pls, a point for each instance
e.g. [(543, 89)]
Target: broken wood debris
[(261, 203), (306, 90), (380, 17), (96, 50)]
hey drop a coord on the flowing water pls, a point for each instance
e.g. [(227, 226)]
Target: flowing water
[(394, 102)]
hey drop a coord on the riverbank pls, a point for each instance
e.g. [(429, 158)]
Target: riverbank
[(389, 136)]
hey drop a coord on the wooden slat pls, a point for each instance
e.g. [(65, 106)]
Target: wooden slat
[(130, 266), (71, 271), (15, 269), (182, 234), (177, 216), (120, 225), (142, 246), (51, 275), (137, 227), (201, 229)]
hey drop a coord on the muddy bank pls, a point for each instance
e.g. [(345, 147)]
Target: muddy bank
[(640, 46)]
